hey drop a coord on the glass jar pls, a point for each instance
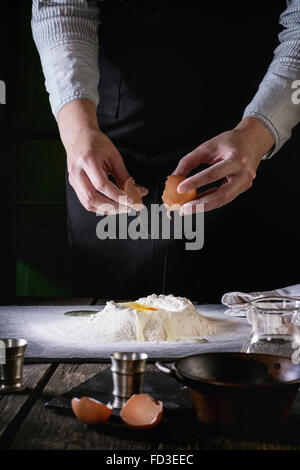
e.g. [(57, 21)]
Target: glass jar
[(275, 325)]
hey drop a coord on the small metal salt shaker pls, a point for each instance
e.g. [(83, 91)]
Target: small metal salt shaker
[(12, 352), (128, 372)]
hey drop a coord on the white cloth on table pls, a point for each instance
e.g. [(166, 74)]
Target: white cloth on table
[(237, 301)]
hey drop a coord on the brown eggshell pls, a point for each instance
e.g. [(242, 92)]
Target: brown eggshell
[(90, 411), (171, 198), (142, 411), (132, 191)]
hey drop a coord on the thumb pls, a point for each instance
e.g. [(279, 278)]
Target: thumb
[(144, 191)]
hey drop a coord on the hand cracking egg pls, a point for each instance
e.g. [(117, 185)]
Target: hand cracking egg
[(141, 411), (172, 200), (91, 411)]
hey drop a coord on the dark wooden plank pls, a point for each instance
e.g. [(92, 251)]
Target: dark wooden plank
[(222, 443), (45, 429), (72, 301), (228, 444), (54, 301), (208, 441), (20, 300), (11, 405)]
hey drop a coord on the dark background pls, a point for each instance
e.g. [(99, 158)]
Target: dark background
[(34, 252), (34, 248)]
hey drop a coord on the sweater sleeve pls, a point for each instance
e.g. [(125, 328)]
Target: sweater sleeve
[(275, 103), (66, 36)]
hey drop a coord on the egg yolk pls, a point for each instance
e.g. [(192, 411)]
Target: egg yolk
[(138, 306)]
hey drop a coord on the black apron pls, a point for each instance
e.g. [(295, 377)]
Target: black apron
[(171, 77)]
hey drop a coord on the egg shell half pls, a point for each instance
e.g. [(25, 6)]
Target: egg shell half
[(90, 411), (171, 198), (142, 411), (132, 191)]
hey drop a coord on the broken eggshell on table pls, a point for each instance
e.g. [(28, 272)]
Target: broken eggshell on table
[(141, 411)]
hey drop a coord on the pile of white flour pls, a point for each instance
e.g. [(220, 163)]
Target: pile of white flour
[(170, 319)]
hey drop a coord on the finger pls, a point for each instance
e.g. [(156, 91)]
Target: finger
[(196, 205), (121, 174), (95, 202), (102, 184), (209, 175), (91, 199), (191, 161), (225, 193)]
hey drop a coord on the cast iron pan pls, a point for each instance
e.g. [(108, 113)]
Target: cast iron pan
[(245, 390)]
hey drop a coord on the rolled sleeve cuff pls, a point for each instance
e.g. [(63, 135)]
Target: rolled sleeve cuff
[(274, 107), (72, 73), (270, 127)]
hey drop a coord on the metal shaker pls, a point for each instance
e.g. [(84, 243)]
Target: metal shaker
[(128, 372), (12, 352)]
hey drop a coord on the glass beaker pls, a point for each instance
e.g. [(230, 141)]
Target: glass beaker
[(274, 329)]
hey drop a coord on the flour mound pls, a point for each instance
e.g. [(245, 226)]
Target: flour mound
[(170, 319)]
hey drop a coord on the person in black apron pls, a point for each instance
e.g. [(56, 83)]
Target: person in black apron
[(172, 77)]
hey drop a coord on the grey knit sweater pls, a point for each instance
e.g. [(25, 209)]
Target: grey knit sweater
[(65, 33)]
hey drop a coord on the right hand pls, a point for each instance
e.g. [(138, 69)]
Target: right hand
[(91, 157)]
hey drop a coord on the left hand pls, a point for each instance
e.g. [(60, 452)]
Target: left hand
[(234, 155)]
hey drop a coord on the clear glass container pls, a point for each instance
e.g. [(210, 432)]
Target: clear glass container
[(275, 325)]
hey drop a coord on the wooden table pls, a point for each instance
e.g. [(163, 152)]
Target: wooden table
[(25, 423)]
